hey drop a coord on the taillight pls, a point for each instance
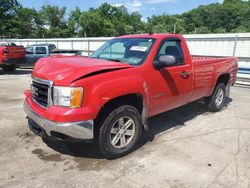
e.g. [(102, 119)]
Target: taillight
[(5, 52)]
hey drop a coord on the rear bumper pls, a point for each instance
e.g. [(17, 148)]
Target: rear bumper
[(83, 130), (14, 61)]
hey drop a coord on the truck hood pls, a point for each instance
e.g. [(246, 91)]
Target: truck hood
[(65, 70)]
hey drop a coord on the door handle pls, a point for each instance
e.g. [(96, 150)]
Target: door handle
[(184, 74)]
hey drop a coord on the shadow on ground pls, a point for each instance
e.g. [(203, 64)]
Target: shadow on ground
[(17, 72), (174, 119)]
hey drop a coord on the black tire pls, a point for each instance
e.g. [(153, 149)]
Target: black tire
[(8, 68), (109, 121), (212, 104)]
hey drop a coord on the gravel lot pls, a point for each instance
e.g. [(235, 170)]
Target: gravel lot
[(186, 147)]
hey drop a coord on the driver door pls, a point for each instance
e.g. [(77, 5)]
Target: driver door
[(172, 85)]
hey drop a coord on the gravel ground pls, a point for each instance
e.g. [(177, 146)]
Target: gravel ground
[(186, 147)]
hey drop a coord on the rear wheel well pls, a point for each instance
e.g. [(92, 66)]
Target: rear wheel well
[(224, 78), (135, 100)]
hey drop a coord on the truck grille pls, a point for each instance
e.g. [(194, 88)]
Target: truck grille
[(41, 92)]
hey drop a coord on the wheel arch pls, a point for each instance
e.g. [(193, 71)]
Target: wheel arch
[(223, 78), (134, 99)]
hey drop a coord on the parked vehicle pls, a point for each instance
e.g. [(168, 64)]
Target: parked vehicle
[(7, 44), (37, 51), (110, 95), (11, 56)]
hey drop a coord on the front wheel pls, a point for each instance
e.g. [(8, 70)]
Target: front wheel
[(8, 68), (120, 132), (217, 100)]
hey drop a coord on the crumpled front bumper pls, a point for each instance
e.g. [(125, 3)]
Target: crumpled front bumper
[(83, 130)]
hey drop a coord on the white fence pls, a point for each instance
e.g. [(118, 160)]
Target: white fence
[(206, 45), (222, 45), (88, 45)]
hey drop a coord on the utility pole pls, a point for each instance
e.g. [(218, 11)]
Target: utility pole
[(195, 31), (174, 28), (235, 45)]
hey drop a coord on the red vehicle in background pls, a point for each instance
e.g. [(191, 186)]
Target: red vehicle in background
[(11, 56), (110, 95)]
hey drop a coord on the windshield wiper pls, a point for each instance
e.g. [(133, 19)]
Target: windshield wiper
[(116, 60)]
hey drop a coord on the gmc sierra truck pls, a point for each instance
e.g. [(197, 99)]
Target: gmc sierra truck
[(11, 56), (109, 96)]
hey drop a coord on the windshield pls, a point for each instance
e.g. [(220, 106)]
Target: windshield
[(128, 50)]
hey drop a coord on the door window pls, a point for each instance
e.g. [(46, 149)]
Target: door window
[(40, 50), (171, 47), (29, 50)]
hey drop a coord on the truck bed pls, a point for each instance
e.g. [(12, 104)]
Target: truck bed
[(65, 52), (231, 63), (205, 58), (205, 68)]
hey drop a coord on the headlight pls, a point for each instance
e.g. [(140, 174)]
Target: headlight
[(68, 96)]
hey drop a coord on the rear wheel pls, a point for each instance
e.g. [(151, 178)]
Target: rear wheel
[(8, 68), (217, 100), (120, 131)]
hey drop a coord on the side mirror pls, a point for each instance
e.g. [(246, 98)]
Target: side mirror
[(165, 61)]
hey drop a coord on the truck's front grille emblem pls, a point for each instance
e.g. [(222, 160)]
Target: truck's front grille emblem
[(41, 92)]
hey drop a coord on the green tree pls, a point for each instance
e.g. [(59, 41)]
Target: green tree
[(166, 24), (107, 20), (25, 25), (8, 16), (74, 22), (55, 21)]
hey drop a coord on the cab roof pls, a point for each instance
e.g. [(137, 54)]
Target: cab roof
[(154, 35)]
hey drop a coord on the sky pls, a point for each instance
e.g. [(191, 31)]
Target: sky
[(146, 8)]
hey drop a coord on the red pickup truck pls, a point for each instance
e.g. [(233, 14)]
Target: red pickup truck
[(109, 96), (11, 56)]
